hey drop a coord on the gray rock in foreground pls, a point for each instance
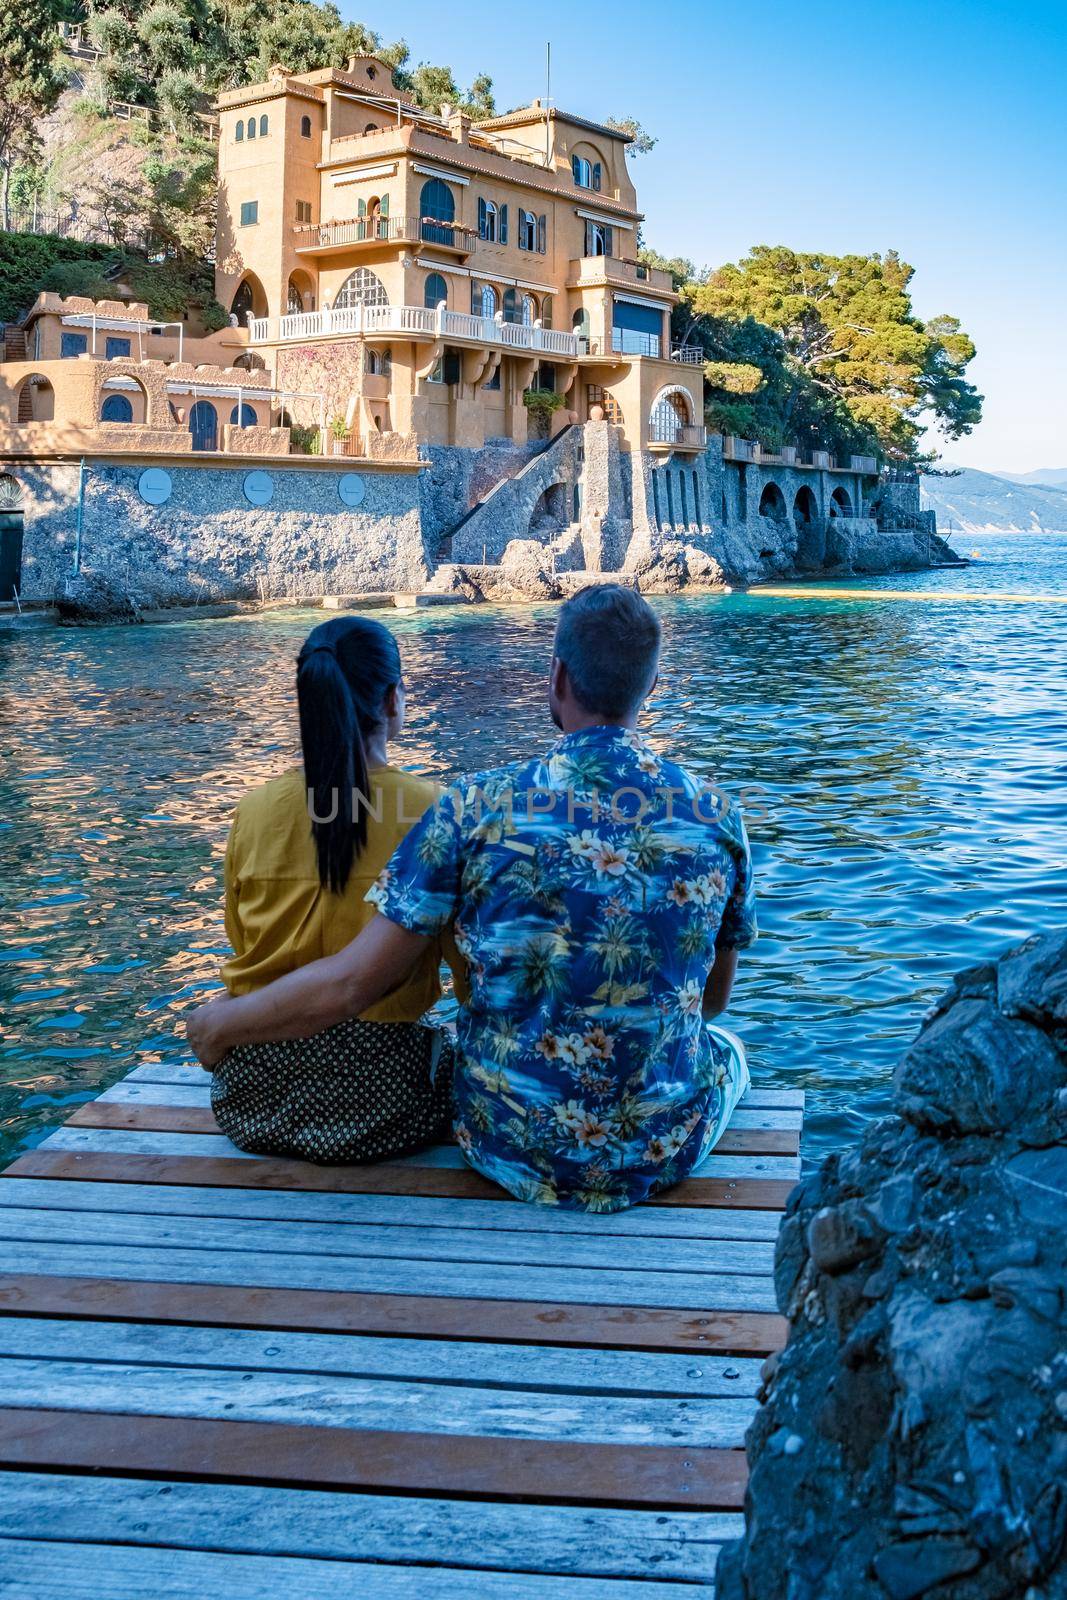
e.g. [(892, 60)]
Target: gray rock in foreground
[(90, 597), (913, 1439)]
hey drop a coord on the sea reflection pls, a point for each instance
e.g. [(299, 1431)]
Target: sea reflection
[(901, 764)]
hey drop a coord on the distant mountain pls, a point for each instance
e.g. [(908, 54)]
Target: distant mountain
[(1052, 477), (976, 501)]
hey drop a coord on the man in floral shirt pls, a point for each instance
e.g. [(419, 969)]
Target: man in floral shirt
[(599, 895)]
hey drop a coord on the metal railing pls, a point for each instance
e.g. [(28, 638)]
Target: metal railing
[(690, 355), (384, 230), (418, 322), (681, 433), (629, 342)]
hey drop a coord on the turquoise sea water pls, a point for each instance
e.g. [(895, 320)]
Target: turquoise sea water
[(901, 752)]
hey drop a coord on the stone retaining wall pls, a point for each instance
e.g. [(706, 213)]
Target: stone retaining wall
[(208, 542)]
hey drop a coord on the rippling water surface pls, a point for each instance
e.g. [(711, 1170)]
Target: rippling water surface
[(900, 751)]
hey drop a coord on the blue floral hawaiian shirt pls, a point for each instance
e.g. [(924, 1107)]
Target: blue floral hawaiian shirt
[(589, 891)]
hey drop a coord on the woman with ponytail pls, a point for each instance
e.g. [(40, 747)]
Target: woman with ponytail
[(304, 849)]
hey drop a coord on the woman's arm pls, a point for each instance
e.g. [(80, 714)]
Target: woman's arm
[(310, 999), (720, 982)]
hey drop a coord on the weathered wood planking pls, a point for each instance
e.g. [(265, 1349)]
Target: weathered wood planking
[(379, 1376), (167, 1118), (582, 1541), (585, 1371), (551, 1471), (412, 1211), (114, 1572), (484, 1245), (270, 1172)]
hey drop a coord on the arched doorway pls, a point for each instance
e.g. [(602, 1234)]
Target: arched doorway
[(36, 400), (249, 301), (772, 503), (300, 294), (204, 426), (805, 509), (242, 416), (437, 208), (840, 503), (11, 530)]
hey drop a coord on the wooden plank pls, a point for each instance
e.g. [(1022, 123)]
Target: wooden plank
[(199, 1119), (193, 1072), (127, 1091), (592, 1371), (558, 1471), (262, 1269), (582, 1541), (506, 1321), (460, 1245), (358, 1405), (132, 1142), (411, 1211), (270, 1172), (37, 1570)]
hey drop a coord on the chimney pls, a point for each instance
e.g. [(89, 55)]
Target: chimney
[(459, 124)]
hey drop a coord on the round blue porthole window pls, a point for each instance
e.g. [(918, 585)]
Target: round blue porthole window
[(352, 489), (259, 488), (154, 486)]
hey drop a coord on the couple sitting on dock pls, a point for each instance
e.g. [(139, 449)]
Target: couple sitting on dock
[(590, 903)]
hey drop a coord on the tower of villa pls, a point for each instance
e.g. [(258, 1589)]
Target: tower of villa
[(426, 271)]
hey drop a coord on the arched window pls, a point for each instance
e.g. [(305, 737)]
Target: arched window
[(435, 291), (116, 408), (204, 426), (263, 125), (250, 362), (305, 127), (529, 310), (597, 239), (251, 127), (371, 127), (487, 221), (582, 171), (527, 231), (511, 305), (239, 132), (373, 363), (581, 325), (486, 306), (294, 302), (670, 414), (361, 288), (437, 208), (246, 419)]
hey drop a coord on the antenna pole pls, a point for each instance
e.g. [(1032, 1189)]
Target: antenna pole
[(548, 103)]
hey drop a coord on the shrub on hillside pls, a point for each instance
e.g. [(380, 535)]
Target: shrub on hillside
[(27, 258)]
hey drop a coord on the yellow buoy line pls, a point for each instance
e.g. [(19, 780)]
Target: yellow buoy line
[(799, 592)]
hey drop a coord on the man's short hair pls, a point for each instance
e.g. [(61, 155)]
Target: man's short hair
[(608, 640)]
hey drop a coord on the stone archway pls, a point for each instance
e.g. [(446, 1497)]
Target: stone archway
[(551, 512), (772, 503), (805, 507), (249, 300), (841, 502)]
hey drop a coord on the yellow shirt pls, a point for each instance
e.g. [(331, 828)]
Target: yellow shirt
[(279, 917)]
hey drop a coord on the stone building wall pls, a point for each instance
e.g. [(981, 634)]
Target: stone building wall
[(208, 542)]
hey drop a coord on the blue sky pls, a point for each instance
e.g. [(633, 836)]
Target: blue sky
[(936, 129)]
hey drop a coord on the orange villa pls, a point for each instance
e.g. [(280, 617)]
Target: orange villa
[(441, 342)]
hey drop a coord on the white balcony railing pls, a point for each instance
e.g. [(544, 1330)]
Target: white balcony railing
[(415, 322)]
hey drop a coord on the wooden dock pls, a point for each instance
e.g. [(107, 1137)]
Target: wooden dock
[(242, 1377)]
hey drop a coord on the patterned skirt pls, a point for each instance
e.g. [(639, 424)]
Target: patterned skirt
[(360, 1091)]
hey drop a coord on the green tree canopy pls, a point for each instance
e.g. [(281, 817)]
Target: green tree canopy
[(851, 346), (30, 82)]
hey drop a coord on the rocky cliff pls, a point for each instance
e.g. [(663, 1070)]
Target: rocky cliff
[(913, 1439)]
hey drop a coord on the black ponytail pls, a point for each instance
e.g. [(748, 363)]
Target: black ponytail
[(343, 674)]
